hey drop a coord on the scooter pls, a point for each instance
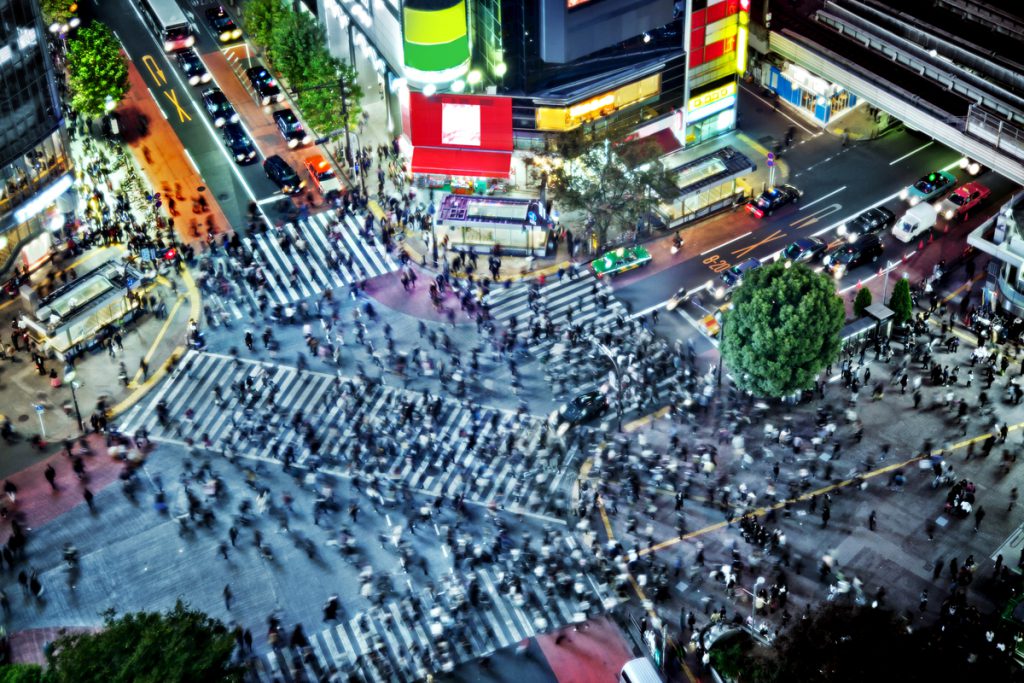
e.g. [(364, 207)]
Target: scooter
[(677, 244)]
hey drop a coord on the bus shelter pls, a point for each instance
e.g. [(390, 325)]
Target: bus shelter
[(474, 223)]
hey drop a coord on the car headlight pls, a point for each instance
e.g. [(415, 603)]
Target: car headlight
[(193, 80), (838, 270), (719, 292), (226, 36), (236, 34), (206, 77), (949, 214), (307, 139), (904, 194), (252, 153), (851, 238), (265, 100), (553, 417), (168, 46), (292, 143), (234, 117), (563, 428), (841, 230), (219, 121), (191, 41), (240, 157), (914, 201)]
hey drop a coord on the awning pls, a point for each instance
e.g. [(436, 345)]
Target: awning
[(461, 162)]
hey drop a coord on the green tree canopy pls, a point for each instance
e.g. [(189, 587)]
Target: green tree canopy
[(98, 71), (901, 304), (294, 40), (614, 185), (782, 330), (259, 18), (57, 11), (181, 645), (862, 301)]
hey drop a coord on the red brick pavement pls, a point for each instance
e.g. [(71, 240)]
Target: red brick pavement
[(591, 655)]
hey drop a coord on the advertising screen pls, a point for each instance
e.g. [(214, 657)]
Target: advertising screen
[(466, 121)]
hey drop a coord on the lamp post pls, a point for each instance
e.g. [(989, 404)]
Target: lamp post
[(69, 377)]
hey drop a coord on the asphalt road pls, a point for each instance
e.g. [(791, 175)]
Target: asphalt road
[(233, 186)]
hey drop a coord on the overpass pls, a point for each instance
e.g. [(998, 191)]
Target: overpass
[(946, 67)]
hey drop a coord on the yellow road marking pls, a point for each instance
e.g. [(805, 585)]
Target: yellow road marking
[(641, 421), (159, 338)]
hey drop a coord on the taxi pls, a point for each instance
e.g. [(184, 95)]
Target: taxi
[(621, 260), (322, 175), (963, 199)]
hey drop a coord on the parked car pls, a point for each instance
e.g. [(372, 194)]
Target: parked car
[(291, 129), (848, 255), (264, 86), (733, 277), (218, 107), (875, 219), (222, 25), (237, 140), (322, 175), (580, 409), (963, 199), (771, 200), (282, 175), (916, 221), (805, 250), (193, 67), (928, 187)]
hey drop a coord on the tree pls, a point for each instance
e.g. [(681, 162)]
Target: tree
[(862, 301), (321, 107), (295, 41), (181, 645), (57, 11), (782, 330), (259, 17), (21, 673), (901, 304), (97, 70), (616, 186)]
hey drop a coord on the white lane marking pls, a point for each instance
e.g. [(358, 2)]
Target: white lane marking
[(871, 277), (191, 161), (734, 239), (689, 293), (912, 153), (271, 198), (821, 199), (812, 218)]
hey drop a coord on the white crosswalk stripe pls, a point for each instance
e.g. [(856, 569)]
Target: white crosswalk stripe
[(558, 298), (490, 456), (503, 617), (292, 275)]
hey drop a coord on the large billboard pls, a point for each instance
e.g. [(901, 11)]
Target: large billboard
[(435, 35), (459, 134)]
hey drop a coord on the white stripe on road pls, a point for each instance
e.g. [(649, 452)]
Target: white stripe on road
[(723, 244), (911, 153), (821, 199)]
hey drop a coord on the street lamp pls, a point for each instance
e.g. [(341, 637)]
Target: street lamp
[(69, 377), (473, 78)]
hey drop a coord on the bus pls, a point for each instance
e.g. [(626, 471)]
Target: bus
[(169, 24)]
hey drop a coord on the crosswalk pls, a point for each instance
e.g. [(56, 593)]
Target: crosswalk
[(292, 275), (577, 299), (377, 645), (434, 445)]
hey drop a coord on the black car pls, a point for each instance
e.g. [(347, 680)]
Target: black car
[(282, 175), (195, 70), (848, 255), (263, 85), (218, 107), (222, 25), (242, 149), (871, 221), (584, 407), (291, 129), (805, 250), (771, 200)]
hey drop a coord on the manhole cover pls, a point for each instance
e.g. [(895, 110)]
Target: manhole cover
[(22, 418)]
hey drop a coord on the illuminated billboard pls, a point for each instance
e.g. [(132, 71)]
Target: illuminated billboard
[(435, 35), (567, 118), (459, 135)]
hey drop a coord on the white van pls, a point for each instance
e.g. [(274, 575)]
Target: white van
[(917, 220), (639, 670)]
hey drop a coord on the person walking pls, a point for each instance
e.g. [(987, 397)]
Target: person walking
[(51, 476), (227, 596), (233, 535), (872, 520), (223, 549), (979, 515), (87, 495), (937, 569)]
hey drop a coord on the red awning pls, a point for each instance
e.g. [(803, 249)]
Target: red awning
[(461, 162)]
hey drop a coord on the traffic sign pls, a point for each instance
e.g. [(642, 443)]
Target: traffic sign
[(70, 376), (39, 408), (771, 159)]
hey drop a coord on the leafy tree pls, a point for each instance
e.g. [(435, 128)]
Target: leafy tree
[(97, 69), (862, 301), (901, 304), (782, 330), (260, 17), (57, 11), (182, 645), (21, 673), (615, 185), (294, 41), (321, 107)]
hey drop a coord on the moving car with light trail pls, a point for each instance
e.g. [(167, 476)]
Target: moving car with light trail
[(771, 200), (963, 199), (733, 277), (928, 187), (875, 219), (621, 260), (580, 409), (222, 25)]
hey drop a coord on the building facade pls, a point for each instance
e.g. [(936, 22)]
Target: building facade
[(35, 168), (610, 67)]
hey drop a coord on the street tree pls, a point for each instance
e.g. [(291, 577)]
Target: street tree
[(861, 303), (182, 644), (901, 303), (295, 42), (57, 11), (97, 70), (782, 330), (615, 185), (322, 106), (260, 17)]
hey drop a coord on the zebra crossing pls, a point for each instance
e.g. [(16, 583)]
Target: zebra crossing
[(432, 452), (376, 645), (578, 298), (292, 275)]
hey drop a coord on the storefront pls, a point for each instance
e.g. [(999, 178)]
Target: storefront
[(711, 113), (706, 184), (458, 143), (815, 97)]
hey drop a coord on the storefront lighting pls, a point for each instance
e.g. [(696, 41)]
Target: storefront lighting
[(429, 90), (473, 77), (458, 85), (500, 69)]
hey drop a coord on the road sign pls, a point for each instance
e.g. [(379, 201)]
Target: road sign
[(39, 408), (771, 159), (70, 376)]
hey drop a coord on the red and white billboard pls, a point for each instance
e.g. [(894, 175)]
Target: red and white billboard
[(459, 135)]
